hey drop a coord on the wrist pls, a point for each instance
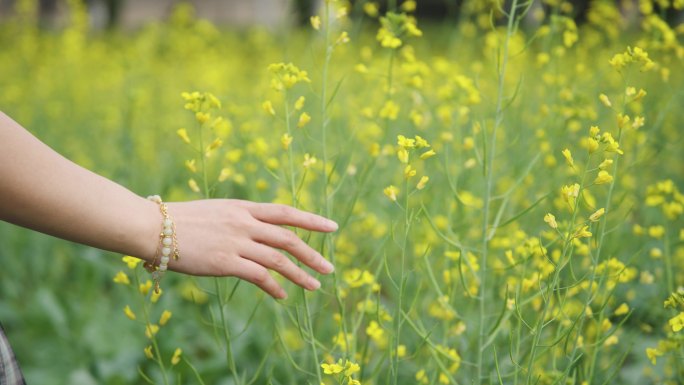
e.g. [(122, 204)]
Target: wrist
[(148, 228)]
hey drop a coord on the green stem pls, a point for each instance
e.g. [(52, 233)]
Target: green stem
[(226, 333), (230, 360), (402, 285), (489, 179), (153, 339)]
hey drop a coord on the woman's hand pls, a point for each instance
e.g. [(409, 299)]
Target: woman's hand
[(225, 237)]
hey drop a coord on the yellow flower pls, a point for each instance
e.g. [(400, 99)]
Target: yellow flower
[(583, 232), (285, 140), (427, 154), (677, 322), (351, 368), (422, 182), (129, 313), (551, 220), (267, 106), (148, 352), (156, 295), (192, 183), (391, 192), (343, 38), (333, 368), (405, 142), (176, 356), (409, 172), (603, 177), (610, 341), (166, 315), (225, 174), (421, 143), (215, 144), (191, 165), (183, 134), (638, 122), (299, 104), (652, 354), (568, 157), (315, 22), (594, 131), (151, 330), (375, 332), (421, 377), (656, 232), (403, 155), (122, 278), (622, 120), (570, 193), (597, 214), (408, 6), (622, 309), (144, 288), (611, 144), (309, 160), (592, 145), (132, 262), (390, 110), (304, 119), (371, 9), (604, 99), (202, 117), (605, 164)]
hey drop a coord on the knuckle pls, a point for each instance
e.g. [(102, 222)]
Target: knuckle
[(290, 240), (261, 277), (280, 262), (283, 210)]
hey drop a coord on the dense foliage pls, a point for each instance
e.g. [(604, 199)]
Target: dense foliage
[(508, 188)]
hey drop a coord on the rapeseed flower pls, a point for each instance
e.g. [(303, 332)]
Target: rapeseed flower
[(131, 262), (551, 220), (165, 316), (677, 322), (121, 278), (597, 214), (304, 119), (603, 177), (315, 22), (129, 313), (175, 359), (422, 182), (391, 192)]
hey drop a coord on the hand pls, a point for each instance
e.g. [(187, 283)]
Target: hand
[(226, 237)]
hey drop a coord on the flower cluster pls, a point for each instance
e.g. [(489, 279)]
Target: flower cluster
[(395, 27), (344, 371)]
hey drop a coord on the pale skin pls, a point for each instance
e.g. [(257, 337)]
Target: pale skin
[(43, 191)]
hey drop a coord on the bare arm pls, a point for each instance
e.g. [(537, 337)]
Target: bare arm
[(43, 191)]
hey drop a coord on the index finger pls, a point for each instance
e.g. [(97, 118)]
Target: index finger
[(279, 214)]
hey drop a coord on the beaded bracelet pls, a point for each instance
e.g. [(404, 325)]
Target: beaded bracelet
[(168, 244)]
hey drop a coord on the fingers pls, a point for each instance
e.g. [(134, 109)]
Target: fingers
[(286, 215), (274, 260), (258, 275), (287, 240)]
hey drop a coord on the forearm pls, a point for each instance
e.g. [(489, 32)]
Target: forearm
[(43, 191)]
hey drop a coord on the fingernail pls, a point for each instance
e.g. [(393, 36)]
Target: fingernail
[(333, 225), (327, 267), (313, 283)]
